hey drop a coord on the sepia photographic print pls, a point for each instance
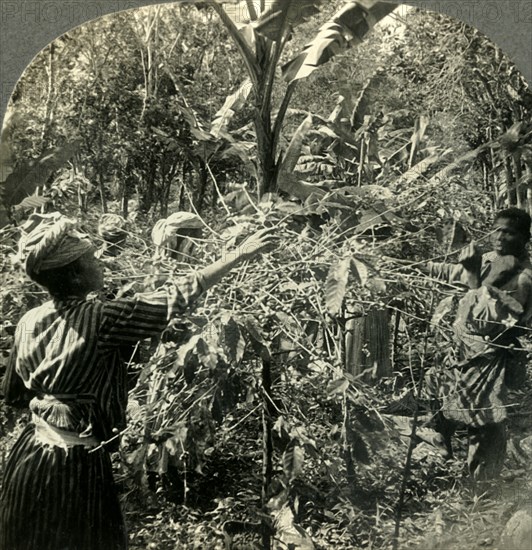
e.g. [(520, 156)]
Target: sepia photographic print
[(265, 276)]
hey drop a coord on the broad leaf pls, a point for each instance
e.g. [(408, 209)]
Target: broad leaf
[(244, 150), (233, 340), (419, 132), (281, 427), (289, 535), (358, 447), (369, 218), (347, 28), (336, 285), (294, 148), (242, 44), (206, 356), (359, 270), (293, 459), (300, 189), (376, 286), (7, 158), (287, 322), (35, 201), (233, 104), (285, 14), (184, 352), (467, 157), (511, 138), (444, 308), (247, 32), (287, 180), (363, 101), (420, 168), (28, 174), (253, 14), (175, 444), (256, 339), (194, 123), (337, 387)]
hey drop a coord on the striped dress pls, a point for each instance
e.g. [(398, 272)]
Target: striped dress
[(58, 490)]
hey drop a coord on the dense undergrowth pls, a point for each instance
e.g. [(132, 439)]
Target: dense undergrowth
[(201, 426)]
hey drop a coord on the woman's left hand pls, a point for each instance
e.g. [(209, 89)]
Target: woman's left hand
[(470, 258)]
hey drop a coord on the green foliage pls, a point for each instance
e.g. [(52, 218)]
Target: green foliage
[(195, 395)]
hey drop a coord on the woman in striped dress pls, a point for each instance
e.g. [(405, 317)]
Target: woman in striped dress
[(58, 491)]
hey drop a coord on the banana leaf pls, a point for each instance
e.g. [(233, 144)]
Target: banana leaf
[(347, 28), (282, 14), (233, 104), (22, 179)]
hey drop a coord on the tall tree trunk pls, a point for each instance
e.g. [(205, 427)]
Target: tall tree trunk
[(519, 188), (182, 189), (528, 171), (147, 192), (360, 170), (101, 189), (126, 185), (164, 197), (489, 169), (48, 117), (50, 91), (124, 205), (82, 206), (203, 176), (510, 182), (148, 57), (395, 339)]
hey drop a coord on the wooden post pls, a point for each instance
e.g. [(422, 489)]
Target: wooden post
[(368, 345)]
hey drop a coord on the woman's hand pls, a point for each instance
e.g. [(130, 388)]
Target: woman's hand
[(248, 249), (471, 260), (257, 243)]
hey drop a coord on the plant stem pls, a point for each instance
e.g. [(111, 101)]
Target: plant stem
[(267, 448), (412, 444)]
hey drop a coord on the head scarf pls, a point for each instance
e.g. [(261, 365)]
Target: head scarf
[(165, 233), (165, 229), (50, 241), (112, 228)]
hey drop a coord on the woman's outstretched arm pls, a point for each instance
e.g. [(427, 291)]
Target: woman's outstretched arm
[(247, 250)]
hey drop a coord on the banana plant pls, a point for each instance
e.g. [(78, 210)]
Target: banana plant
[(515, 148), (261, 42)]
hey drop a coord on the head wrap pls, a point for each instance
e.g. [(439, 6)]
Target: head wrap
[(167, 228), (166, 234), (50, 241), (112, 228)]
